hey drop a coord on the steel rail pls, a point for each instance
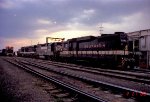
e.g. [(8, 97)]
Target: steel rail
[(61, 83), (89, 69), (96, 82), (130, 78)]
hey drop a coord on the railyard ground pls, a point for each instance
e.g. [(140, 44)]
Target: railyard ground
[(16, 85)]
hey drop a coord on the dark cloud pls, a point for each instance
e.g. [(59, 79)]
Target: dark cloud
[(19, 19), (114, 10)]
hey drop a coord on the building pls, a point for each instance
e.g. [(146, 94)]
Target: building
[(141, 42)]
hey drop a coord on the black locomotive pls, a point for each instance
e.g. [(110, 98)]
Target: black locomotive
[(109, 50)]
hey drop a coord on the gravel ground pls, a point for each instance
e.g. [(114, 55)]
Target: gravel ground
[(16, 85), (83, 86)]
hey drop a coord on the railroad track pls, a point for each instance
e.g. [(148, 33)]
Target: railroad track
[(134, 72), (132, 92), (81, 95), (100, 69), (136, 77), (141, 70), (78, 65)]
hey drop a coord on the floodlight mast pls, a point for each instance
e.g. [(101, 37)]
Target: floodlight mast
[(101, 29)]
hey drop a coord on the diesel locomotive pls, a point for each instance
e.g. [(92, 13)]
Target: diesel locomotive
[(109, 50), (8, 51)]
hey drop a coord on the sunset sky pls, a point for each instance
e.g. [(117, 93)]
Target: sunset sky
[(28, 22)]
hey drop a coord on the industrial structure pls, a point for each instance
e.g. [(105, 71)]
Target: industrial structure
[(141, 42)]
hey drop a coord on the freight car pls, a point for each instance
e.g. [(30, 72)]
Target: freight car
[(109, 50)]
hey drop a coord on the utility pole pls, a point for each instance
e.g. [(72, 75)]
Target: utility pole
[(101, 29)]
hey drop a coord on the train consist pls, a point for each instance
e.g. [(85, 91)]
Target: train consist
[(109, 50), (8, 51)]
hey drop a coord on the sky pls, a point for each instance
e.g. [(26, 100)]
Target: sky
[(29, 22)]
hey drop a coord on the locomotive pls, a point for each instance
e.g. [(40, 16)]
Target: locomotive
[(109, 50), (8, 51), (28, 51)]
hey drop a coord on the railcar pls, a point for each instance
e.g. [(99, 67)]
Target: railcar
[(27, 51), (49, 50), (0, 52), (8, 51), (44, 50), (3, 52)]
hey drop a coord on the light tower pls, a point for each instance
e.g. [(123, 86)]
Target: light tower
[(101, 29)]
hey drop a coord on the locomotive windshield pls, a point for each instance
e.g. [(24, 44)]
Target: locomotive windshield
[(123, 37)]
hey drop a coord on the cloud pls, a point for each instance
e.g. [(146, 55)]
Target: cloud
[(36, 19), (44, 21), (134, 22), (68, 34), (12, 4), (41, 32), (89, 11), (7, 4), (15, 42)]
